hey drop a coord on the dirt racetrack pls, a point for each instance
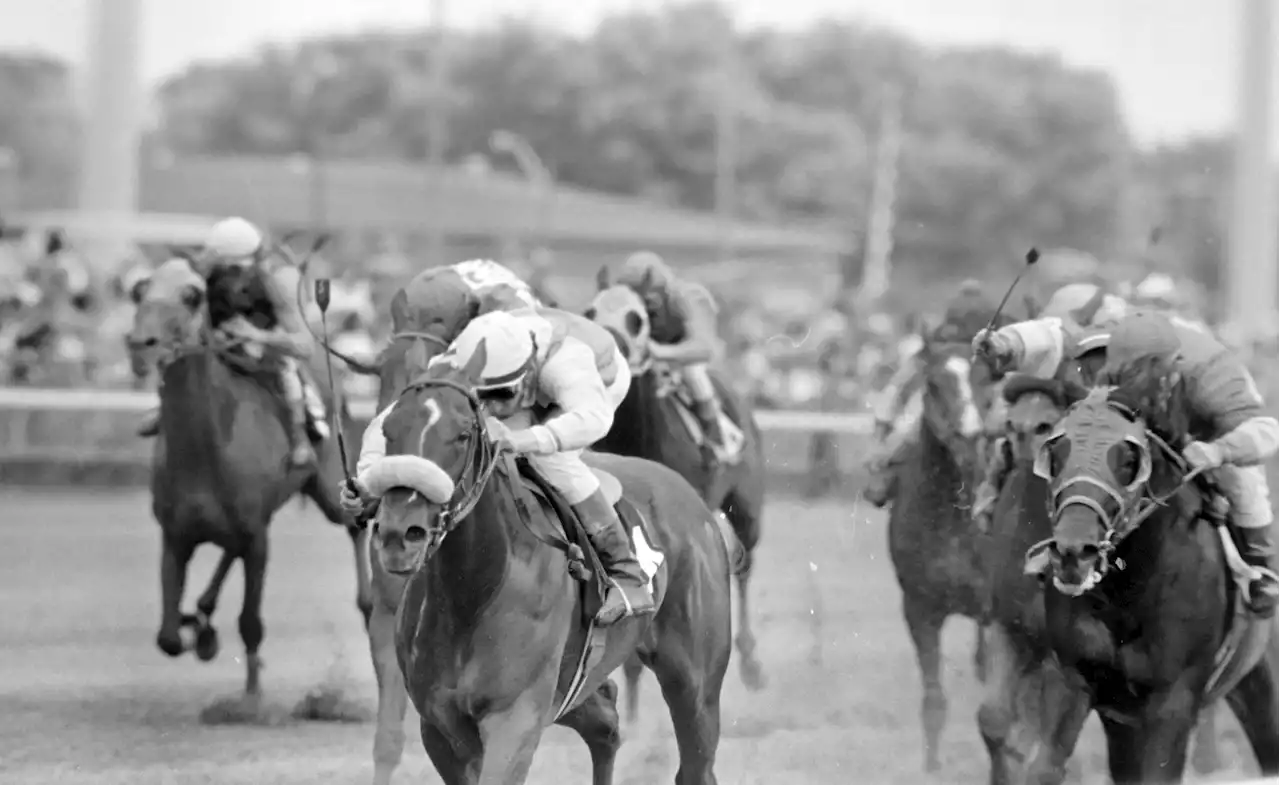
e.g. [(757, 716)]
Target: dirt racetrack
[(85, 697)]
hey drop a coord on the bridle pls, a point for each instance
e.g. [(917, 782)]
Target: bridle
[(478, 464), (1133, 504)]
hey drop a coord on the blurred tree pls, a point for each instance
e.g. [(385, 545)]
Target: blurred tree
[(38, 123)]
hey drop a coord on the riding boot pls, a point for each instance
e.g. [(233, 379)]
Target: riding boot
[(708, 414), (628, 593), (150, 424), (1258, 549)]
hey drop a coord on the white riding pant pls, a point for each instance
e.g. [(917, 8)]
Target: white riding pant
[(1246, 489), (565, 470)]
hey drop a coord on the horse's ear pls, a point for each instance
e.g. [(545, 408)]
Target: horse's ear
[(475, 366), (416, 360), (1032, 305), (139, 290), (399, 309), (192, 297), (603, 278)]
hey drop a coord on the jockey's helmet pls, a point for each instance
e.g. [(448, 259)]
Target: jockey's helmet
[(233, 239), (1086, 304), (645, 270), (510, 358), (1159, 291), (1141, 339)]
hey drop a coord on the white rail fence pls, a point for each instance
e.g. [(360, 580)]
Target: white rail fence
[(19, 404)]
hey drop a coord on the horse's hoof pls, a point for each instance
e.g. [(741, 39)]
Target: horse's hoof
[(206, 643), (170, 643), (753, 677)]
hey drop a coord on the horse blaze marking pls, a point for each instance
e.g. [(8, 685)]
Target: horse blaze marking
[(649, 557), (971, 422)]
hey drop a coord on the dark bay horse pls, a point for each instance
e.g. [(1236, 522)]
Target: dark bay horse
[(933, 542), (491, 627), (1144, 600), (220, 470), (649, 425)]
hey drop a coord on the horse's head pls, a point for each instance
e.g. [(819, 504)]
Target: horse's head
[(957, 393), (622, 312), (438, 461), (168, 313), (1103, 462), (1035, 407), (426, 315)]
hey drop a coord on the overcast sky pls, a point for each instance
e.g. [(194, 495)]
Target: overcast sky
[(1174, 61)]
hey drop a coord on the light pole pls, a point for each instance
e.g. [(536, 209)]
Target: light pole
[(437, 121), (541, 181)]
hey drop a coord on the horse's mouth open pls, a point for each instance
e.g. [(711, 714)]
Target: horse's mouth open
[(1077, 588)]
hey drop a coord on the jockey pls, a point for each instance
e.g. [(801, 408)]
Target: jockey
[(547, 361), (683, 332), (900, 404), (1232, 432), (1064, 340), (279, 328)]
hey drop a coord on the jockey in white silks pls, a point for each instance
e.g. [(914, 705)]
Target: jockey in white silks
[(570, 369)]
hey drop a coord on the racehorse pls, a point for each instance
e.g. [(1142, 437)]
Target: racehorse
[(1146, 607), (427, 313), (495, 635), (221, 468), (654, 422), (932, 539)]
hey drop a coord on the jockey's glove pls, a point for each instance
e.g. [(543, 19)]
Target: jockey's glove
[(1204, 455), (354, 497), (997, 350)]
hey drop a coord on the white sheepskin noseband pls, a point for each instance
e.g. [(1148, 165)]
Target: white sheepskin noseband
[(409, 471)]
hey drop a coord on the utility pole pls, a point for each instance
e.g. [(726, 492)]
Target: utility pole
[(437, 121), (726, 109), (542, 182), (108, 187), (1251, 282), (880, 218)]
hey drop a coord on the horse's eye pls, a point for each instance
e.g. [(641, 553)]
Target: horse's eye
[(1123, 460), (1043, 429)]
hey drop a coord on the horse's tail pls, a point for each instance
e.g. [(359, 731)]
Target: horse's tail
[(737, 552)]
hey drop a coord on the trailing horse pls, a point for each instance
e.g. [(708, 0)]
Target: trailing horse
[(220, 472), (932, 539), (496, 637), (654, 422), (1146, 609)]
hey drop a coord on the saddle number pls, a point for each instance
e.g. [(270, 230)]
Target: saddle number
[(650, 558)]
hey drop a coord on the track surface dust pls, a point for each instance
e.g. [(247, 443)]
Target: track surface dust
[(85, 697)]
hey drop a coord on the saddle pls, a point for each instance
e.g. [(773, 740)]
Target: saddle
[(565, 531)]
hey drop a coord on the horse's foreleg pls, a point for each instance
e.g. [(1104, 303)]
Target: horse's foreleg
[(1060, 708), (206, 635), (998, 720), (1150, 745), (1204, 748), (388, 738), (364, 581), (925, 625), (251, 627), (174, 558), (596, 721), (455, 755), (632, 669), (510, 737), (746, 530), (1254, 702)]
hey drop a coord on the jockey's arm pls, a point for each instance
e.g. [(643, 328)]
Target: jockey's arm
[(291, 335), (694, 305), (1224, 393), (1039, 345), (373, 446), (570, 379)]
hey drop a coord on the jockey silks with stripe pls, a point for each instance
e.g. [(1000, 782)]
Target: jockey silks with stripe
[(1233, 434), (563, 376)]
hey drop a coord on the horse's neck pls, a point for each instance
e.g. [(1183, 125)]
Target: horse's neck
[(635, 427), (1168, 540), (936, 455), (472, 562)]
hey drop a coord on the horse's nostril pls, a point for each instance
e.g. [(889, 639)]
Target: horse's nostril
[(624, 347), (415, 534)]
